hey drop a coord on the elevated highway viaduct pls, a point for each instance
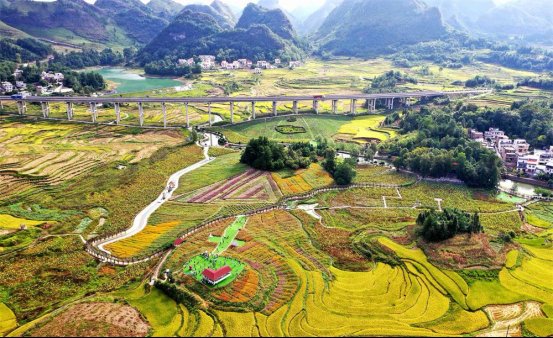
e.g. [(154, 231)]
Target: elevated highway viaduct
[(389, 100)]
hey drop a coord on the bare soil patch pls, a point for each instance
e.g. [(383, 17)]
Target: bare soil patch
[(95, 320)]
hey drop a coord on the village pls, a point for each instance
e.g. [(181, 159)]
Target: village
[(516, 154), (208, 62), (50, 82)]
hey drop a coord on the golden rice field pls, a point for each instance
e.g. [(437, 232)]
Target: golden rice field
[(310, 297), (302, 180), (9, 222), (7, 319), (50, 153)]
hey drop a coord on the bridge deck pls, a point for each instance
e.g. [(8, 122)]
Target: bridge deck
[(224, 99)]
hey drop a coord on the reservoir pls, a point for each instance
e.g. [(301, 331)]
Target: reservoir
[(128, 81)]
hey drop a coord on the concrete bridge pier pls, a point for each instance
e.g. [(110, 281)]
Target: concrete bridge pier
[(1, 105), (275, 113), (231, 112), (45, 109), (186, 114), (373, 107), (253, 110), (93, 111), (69, 111), (391, 103), (140, 114), (316, 106), (164, 111), (117, 113), (209, 113), (20, 109), (353, 109), (334, 106), (295, 107)]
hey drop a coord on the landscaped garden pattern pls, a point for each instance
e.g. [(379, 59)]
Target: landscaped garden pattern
[(359, 129)]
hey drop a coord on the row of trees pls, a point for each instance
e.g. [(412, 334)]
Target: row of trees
[(166, 67), (436, 145), (436, 226)]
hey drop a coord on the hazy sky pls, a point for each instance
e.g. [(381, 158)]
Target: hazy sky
[(288, 4)]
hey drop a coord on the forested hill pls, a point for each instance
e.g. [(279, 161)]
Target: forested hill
[(369, 27), (139, 21), (259, 34), (275, 19), (75, 16), (165, 8)]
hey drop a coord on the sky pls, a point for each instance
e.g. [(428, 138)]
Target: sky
[(287, 4)]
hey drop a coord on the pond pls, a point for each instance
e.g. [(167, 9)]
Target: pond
[(521, 188), (127, 81)]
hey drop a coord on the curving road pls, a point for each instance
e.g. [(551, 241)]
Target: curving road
[(141, 220)]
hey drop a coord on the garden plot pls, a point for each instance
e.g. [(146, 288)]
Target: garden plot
[(250, 186)]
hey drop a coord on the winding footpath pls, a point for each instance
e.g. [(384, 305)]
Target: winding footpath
[(141, 220)]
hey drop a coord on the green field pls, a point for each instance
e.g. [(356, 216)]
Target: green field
[(359, 129)]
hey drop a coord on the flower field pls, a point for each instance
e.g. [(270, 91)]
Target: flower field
[(302, 180), (250, 186)]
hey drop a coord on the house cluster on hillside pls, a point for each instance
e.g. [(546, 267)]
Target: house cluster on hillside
[(50, 82), (516, 154), (208, 62), (7, 87)]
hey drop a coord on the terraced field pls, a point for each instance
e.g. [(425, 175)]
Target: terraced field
[(44, 154)]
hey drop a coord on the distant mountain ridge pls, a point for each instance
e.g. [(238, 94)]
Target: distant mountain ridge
[(259, 34), (370, 27)]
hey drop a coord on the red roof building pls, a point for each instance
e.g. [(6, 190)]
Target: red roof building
[(214, 277), (178, 242)]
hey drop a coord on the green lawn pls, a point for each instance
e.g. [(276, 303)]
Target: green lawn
[(230, 234), (224, 167)]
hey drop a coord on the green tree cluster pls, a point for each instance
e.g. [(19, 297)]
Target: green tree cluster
[(436, 226), (434, 144)]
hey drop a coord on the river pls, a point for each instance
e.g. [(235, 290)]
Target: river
[(127, 81)]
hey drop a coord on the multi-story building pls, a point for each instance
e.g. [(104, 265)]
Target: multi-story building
[(528, 163), (549, 168), (522, 147), (473, 134), (509, 156), (493, 134), (7, 87)]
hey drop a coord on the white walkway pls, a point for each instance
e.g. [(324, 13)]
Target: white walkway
[(141, 220)]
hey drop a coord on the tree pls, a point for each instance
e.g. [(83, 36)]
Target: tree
[(344, 174)]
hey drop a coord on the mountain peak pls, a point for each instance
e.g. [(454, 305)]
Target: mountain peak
[(364, 27), (275, 19)]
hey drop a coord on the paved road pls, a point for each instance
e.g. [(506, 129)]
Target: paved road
[(141, 220), (223, 99)]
